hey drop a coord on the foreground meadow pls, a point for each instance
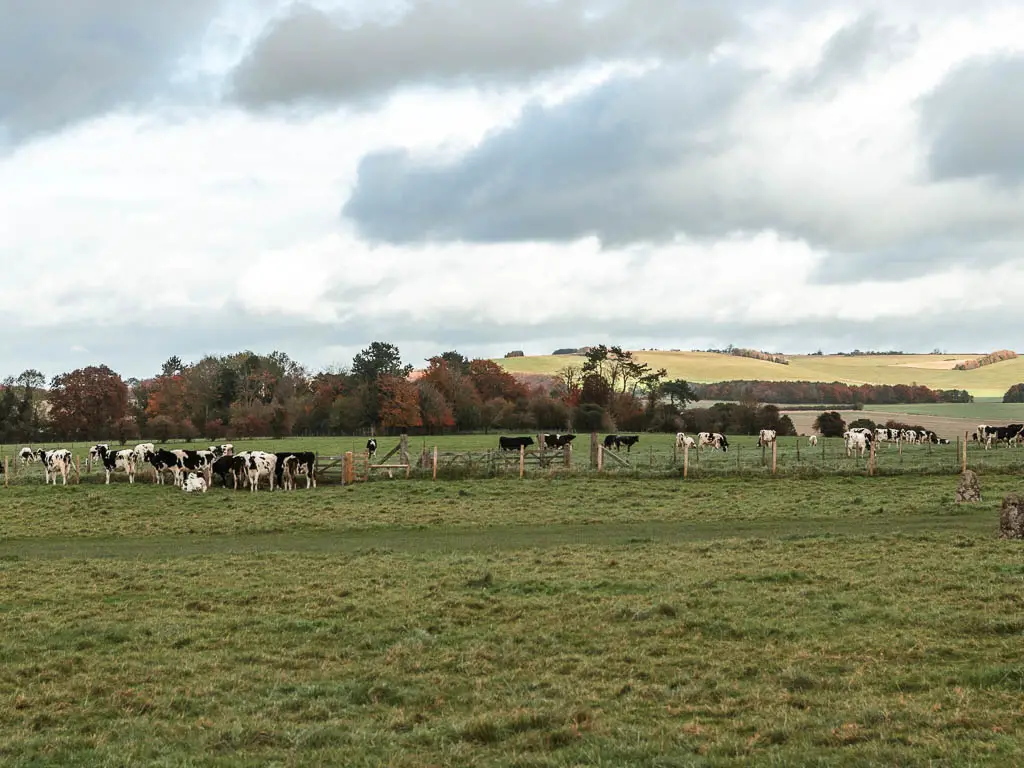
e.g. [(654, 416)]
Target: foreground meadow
[(570, 621)]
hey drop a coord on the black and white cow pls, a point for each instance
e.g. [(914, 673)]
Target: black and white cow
[(557, 440), (114, 461), (222, 450), (812, 440), (260, 464), (26, 455), (714, 440), (304, 464), (514, 443), (98, 451), (766, 437), (857, 440), (371, 448), (194, 483), (234, 465), (142, 451), (59, 461), (684, 441), (162, 461)]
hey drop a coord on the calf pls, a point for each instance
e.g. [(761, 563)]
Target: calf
[(813, 440), (260, 464), (304, 464), (56, 462), (766, 437), (371, 448), (195, 461), (194, 483), (514, 443), (683, 441)]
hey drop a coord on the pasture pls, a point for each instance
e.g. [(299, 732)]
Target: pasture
[(477, 456), (935, 371), (554, 622)]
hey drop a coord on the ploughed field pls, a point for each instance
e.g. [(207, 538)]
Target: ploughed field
[(557, 621)]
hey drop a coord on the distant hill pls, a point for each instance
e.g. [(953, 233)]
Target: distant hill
[(935, 371)]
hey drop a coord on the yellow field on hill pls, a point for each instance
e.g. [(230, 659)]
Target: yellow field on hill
[(935, 371)]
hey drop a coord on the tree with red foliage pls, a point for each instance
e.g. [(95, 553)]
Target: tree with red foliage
[(491, 381), (87, 402), (398, 402), (434, 410)]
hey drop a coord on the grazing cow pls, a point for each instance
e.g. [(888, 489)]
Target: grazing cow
[(766, 438), (114, 461), (142, 451), (260, 464), (26, 455), (813, 440), (626, 440), (610, 441), (163, 460), (1008, 434), (305, 464), (558, 441), (943, 441), (194, 483), (514, 443), (683, 441), (371, 447), (713, 440), (234, 465), (98, 451), (857, 441), (56, 462)]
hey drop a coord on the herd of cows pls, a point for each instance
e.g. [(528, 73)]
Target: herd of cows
[(193, 471)]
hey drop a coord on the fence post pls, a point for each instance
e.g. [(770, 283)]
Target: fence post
[(764, 460), (403, 450), (871, 459), (522, 461), (594, 450), (798, 450), (963, 463), (567, 451), (7, 471), (600, 457), (348, 473), (652, 457), (774, 454), (686, 461), (434, 473), (78, 476)]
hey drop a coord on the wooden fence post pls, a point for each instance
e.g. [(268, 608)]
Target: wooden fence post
[(871, 459), (348, 475), (652, 457), (78, 476), (600, 457), (798, 450), (774, 455), (568, 455), (522, 461), (7, 471), (963, 463), (403, 450), (434, 465), (594, 450), (764, 460), (686, 461)]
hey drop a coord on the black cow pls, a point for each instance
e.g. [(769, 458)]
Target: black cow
[(514, 443), (627, 440), (558, 441), (610, 441), (305, 464), (371, 447), (233, 465)]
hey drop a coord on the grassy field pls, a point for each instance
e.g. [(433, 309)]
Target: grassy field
[(562, 622), (931, 370)]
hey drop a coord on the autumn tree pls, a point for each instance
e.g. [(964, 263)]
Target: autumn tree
[(435, 413), (87, 402), (491, 381), (398, 402)]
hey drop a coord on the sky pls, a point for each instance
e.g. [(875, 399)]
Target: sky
[(204, 176)]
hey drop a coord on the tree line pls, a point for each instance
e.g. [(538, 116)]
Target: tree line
[(833, 393), (253, 395)]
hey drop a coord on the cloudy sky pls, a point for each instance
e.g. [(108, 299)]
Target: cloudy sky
[(201, 176)]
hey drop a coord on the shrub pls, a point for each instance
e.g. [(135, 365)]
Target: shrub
[(830, 424), (1014, 394), (863, 423), (994, 357)]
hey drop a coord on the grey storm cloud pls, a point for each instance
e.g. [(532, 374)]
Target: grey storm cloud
[(310, 55), (973, 122), (64, 61), (602, 164), (852, 49)]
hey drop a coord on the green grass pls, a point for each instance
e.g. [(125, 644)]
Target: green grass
[(930, 370), (1000, 413), (560, 622)]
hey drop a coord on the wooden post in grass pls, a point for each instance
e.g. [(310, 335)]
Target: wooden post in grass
[(567, 455), (871, 458), (434, 465), (594, 446), (963, 463), (7, 471), (403, 449), (348, 473), (522, 461), (686, 460), (764, 448), (600, 457), (775, 455), (652, 457), (798, 450), (78, 476)]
